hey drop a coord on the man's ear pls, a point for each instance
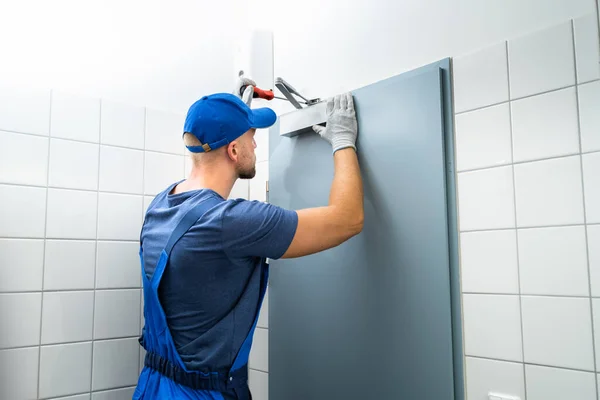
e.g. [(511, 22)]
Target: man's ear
[(233, 151)]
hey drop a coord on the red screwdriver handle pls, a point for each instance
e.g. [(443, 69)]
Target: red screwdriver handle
[(259, 93)]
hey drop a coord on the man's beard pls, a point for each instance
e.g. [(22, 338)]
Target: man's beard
[(247, 173)]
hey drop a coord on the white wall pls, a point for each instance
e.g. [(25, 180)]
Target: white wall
[(159, 53)]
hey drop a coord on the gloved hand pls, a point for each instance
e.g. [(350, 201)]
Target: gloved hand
[(342, 128), (248, 92)]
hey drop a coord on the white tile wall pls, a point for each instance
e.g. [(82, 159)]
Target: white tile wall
[(67, 317), (259, 384), (589, 118), (22, 266), (75, 117), (19, 377), (71, 214), (485, 376), (593, 241), (122, 124), (486, 68), (65, 369), (258, 184), (164, 131), (492, 326), (121, 170), (21, 315), (553, 261), (259, 355), (558, 332), (489, 262), (69, 264), (591, 183), (23, 211), (62, 247), (486, 199), (549, 264), (541, 61), (545, 126), (23, 159), (544, 383), (25, 110), (483, 138), (549, 192)]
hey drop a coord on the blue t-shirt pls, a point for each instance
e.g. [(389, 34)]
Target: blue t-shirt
[(210, 289)]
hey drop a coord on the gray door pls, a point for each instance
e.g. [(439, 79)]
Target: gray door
[(370, 319)]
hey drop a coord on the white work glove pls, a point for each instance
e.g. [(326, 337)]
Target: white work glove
[(248, 92), (342, 127)]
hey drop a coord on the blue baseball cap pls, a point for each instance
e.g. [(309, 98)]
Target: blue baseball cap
[(219, 119)]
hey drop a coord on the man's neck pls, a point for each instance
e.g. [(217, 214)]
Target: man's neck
[(215, 178)]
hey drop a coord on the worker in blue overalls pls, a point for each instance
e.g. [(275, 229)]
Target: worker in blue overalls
[(203, 256)]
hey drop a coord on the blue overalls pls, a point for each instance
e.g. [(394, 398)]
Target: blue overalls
[(164, 375)]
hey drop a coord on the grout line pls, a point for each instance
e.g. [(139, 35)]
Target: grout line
[(527, 161), (96, 253), (72, 189), (70, 290), (45, 242), (89, 392), (259, 370), (561, 296), (587, 250), (534, 364), (526, 227), (67, 239), (93, 142), (523, 97)]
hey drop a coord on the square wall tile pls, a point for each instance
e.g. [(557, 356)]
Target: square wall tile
[(188, 164), (557, 331), (121, 170), (115, 363), (117, 394), (541, 61), (118, 265), (591, 183), (240, 190), (147, 202), (587, 48), (593, 238), (21, 315), (23, 159), (549, 192), (160, 171), (544, 383), (483, 138), (589, 117), (263, 318), (485, 376), (23, 211), (258, 382), (545, 126), (481, 78), (69, 264), (117, 313), (258, 184), (492, 326), (19, 377), (486, 199), (489, 262), (71, 214), (259, 354), (67, 317), (65, 369), (73, 165), (119, 216), (76, 397), (164, 131), (22, 265), (596, 322), (25, 110), (122, 124), (75, 117), (553, 261), (262, 145)]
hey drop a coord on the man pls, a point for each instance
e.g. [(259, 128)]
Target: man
[(203, 257)]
